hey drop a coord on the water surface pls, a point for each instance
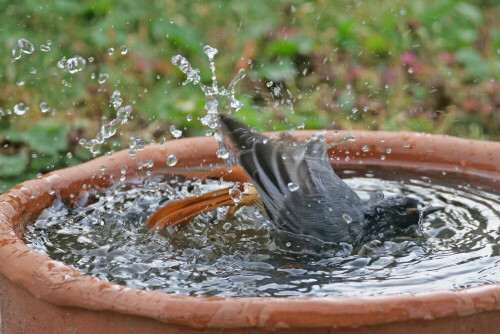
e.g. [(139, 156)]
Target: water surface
[(103, 235)]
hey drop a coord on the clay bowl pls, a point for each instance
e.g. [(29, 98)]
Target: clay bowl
[(41, 295)]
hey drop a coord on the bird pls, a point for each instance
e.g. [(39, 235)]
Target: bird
[(295, 186)]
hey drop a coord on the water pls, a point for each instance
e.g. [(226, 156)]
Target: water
[(104, 236), (215, 97)]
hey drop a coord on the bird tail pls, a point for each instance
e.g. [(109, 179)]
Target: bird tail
[(183, 211)]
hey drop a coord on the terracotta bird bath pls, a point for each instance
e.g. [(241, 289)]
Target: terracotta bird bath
[(41, 295)]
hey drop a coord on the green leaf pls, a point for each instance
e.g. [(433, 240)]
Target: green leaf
[(184, 37), (473, 62), (47, 137), (45, 162), (12, 134), (420, 124), (470, 12), (13, 165), (278, 71), (377, 44), (8, 182), (291, 46)]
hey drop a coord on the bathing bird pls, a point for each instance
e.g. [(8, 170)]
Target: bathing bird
[(295, 186)]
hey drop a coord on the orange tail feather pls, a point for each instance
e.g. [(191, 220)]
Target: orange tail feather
[(183, 211)]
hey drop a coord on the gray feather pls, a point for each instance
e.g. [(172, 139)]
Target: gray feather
[(317, 208)]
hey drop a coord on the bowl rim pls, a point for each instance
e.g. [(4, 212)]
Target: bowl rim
[(60, 284)]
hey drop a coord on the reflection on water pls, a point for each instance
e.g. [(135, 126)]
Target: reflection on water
[(459, 247)]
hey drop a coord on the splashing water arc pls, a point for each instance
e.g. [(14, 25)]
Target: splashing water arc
[(212, 94)]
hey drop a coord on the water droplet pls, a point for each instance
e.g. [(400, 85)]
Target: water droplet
[(111, 51), (197, 189), (269, 83), (365, 148), (235, 194), (210, 120), (347, 218), (208, 132), (116, 99), (389, 150), (20, 108), (123, 50), (376, 197), (222, 153), (62, 62), (136, 143), (20, 83), (382, 157), (102, 78), (288, 244), (44, 48), (16, 52), (293, 186), (210, 52), (75, 64), (44, 107), (172, 160), (176, 133), (22, 46), (189, 117), (226, 226)]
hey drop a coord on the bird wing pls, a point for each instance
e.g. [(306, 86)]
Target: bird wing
[(317, 207), (183, 211)]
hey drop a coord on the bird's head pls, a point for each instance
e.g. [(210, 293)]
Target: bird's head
[(395, 216)]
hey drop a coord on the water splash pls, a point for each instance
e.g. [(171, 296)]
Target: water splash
[(346, 138), (214, 94), (108, 130)]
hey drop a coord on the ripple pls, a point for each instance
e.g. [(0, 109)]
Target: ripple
[(106, 238)]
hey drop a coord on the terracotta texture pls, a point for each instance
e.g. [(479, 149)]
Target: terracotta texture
[(40, 295)]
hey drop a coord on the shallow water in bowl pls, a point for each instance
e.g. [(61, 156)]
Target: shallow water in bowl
[(103, 235)]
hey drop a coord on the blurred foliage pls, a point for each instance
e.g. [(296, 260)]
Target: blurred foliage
[(389, 65)]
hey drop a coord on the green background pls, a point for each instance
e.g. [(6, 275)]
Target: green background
[(391, 65)]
